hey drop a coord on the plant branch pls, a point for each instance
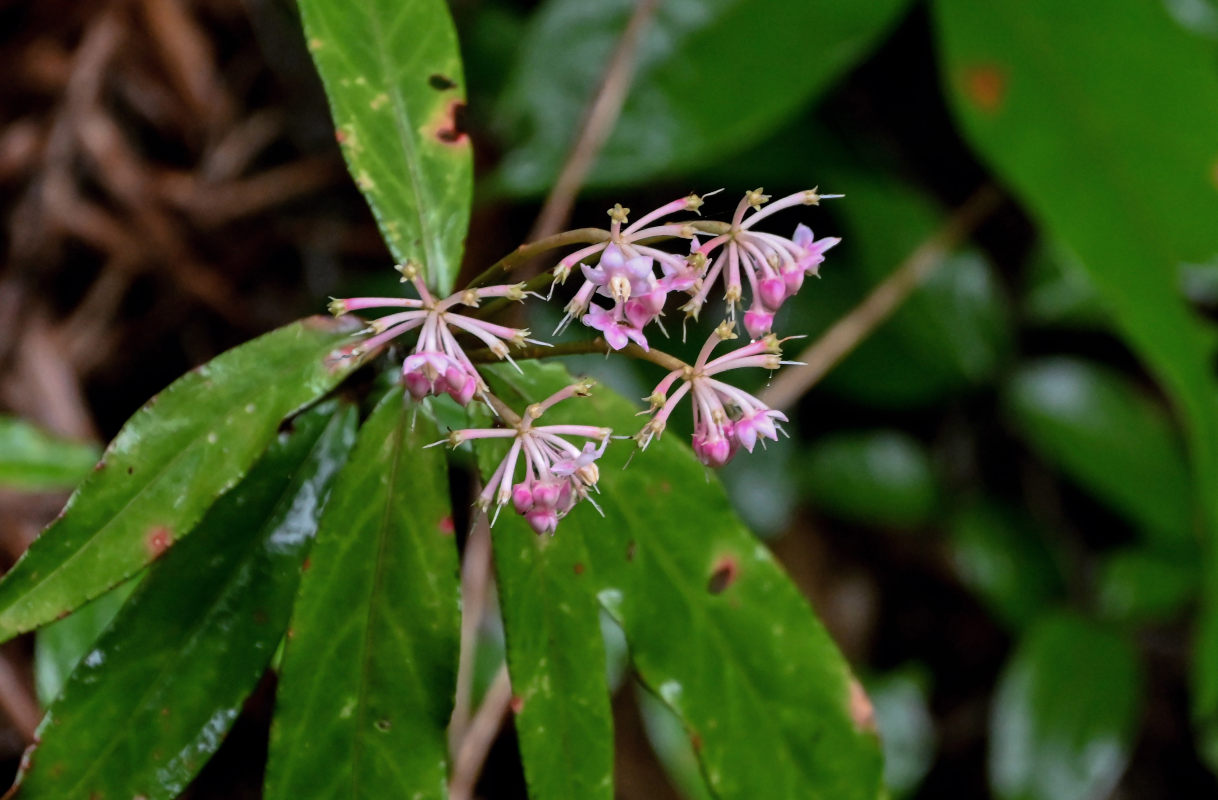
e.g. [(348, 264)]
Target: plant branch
[(475, 586), (846, 334), (479, 736), (596, 125), (581, 348), (524, 252)]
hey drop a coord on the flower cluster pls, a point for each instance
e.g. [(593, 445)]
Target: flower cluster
[(628, 280), (438, 364), (557, 474), (725, 418)]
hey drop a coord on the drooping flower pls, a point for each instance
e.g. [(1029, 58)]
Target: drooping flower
[(725, 418), (438, 365), (625, 272), (557, 473), (773, 266)]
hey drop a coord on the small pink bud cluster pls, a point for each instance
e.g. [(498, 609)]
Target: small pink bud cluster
[(725, 418), (773, 266), (557, 474), (438, 365)]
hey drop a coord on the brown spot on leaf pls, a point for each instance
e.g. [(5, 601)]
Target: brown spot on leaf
[(308, 562), (441, 82), (579, 568), (130, 470), (382, 725), (985, 85), (261, 617), (449, 128), (727, 568), (446, 526), (861, 710), (158, 541), (100, 465), (695, 741), (339, 136), (630, 549), (165, 711), (516, 704)]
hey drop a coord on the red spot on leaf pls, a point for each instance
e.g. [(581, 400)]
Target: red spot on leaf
[(985, 85), (446, 526), (517, 704), (449, 127), (308, 562), (861, 710), (579, 569), (726, 570), (100, 465), (158, 541), (339, 136)]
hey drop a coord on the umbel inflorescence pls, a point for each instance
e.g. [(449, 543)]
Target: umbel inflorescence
[(629, 275)]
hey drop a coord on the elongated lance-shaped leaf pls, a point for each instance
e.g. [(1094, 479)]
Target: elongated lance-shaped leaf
[(711, 77), (1060, 100), (155, 696), (715, 628), (169, 463), (392, 71), (370, 666), (556, 657), (31, 458)]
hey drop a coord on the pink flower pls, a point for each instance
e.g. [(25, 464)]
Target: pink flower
[(438, 365), (772, 265), (557, 474), (725, 418), (617, 328)]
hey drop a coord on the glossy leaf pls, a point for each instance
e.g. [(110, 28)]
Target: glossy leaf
[(1103, 432), (31, 458), (712, 77), (173, 458), (555, 654), (392, 71), (556, 660), (1065, 713), (873, 477), (1051, 98), (370, 666), (155, 697), (1139, 587), (60, 646), (666, 734), (670, 556), (1004, 558)]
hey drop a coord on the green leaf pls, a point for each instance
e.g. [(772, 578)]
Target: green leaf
[(872, 477), (60, 646), (556, 660), (907, 729), (1070, 113), (555, 654), (31, 458), (154, 698), (1065, 713), (1098, 428), (1140, 587), (715, 628), (392, 71), (668, 739), (173, 458), (370, 667), (698, 92), (1001, 555)]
